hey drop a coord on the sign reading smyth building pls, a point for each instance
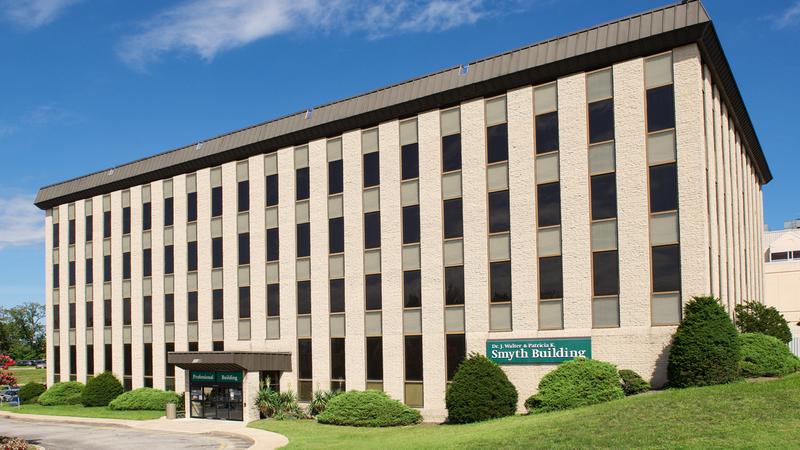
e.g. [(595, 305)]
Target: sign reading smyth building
[(538, 351)]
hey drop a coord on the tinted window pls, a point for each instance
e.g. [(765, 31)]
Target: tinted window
[(372, 230), (71, 232), (547, 132), (72, 315), (498, 212), (57, 316), (147, 262), (601, 121), (106, 227), (663, 188), (373, 291), (304, 358), (410, 157), (454, 285), (170, 368), (217, 301), (89, 271), (55, 233), (413, 359), (193, 346), (243, 196), (337, 359), (126, 220), (666, 268), (106, 269), (148, 360), (71, 273), (301, 184), (169, 259), (272, 244), (244, 248), (89, 228), (500, 273), (244, 302), (497, 142), (216, 201), (126, 311), (550, 278), (191, 206), (337, 295), (191, 304), (335, 177), (57, 276), (605, 266), (374, 358), (303, 239), (456, 351), (169, 211), (660, 108), (147, 216), (451, 152), (147, 309), (372, 174), (90, 314), (336, 235), (303, 297), (127, 356), (549, 198), (453, 218), (126, 266), (410, 224), (169, 308), (273, 300), (108, 352), (604, 196), (191, 256), (412, 289), (272, 190)]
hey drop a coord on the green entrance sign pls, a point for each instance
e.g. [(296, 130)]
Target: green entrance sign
[(217, 377), (229, 377), (203, 376), (538, 351)]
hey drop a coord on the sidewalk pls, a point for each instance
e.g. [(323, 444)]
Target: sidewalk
[(261, 439)]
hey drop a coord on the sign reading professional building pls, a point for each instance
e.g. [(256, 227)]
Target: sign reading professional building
[(538, 351)]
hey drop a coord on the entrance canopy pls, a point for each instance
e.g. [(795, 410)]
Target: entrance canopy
[(232, 361)]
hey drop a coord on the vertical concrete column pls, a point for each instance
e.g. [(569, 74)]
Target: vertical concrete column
[(63, 291), (204, 259), (288, 250), (249, 394), (318, 208), (522, 192), (116, 285), (727, 293), (80, 290), (179, 239), (230, 259), (391, 263), (355, 359), (137, 335), (97, 286), (48, 296), (157, 246), (711, 178), (258, 251), (719, 176)]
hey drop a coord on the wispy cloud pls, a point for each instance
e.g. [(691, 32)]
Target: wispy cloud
[(40, 116), (34, 13), (21, 223), (208, 27), (789, 17)]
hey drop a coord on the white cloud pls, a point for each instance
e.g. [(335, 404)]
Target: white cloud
[(789, 17), (207, 27), (21, 223), (34, 13)]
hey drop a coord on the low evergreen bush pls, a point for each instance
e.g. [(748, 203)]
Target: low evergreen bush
[(367, 409), (705, 348), (632, 383), (144, 399), (320, 401), (580, 382), (480, 390), (755, 317), (100, 390), (31, 391), (766, 356), (66, 393)]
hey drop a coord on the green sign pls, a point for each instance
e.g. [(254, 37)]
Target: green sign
[(217, 377), (538, 351)]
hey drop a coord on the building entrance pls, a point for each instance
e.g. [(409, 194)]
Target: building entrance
[(216, 395)]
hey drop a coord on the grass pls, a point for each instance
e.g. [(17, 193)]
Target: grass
[(740, 415), (100, 412), (27, 374)]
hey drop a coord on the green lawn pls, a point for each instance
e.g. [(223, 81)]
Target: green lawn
[(81, 411), (27, 374), (741, 415)]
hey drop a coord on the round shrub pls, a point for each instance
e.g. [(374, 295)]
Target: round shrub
[(705, 348), (755, 317), (367, 409), (144, 399), (632, 383), (31, 391), (100, 390), (480, 390), (66, 393), (576, 383), (766, 356)]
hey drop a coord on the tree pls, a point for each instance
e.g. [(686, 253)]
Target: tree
[(22, 331), (755, 317), (7, 377)]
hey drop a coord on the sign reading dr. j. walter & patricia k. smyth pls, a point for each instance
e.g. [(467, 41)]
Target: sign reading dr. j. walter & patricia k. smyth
[(538, 351)]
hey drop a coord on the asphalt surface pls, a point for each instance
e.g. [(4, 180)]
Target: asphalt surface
[(67, 436)]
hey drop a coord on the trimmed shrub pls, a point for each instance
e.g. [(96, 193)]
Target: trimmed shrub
[(144, 399), (632, 383), (66, 393), (100, 390), (705, 348), (31, 391), (480, 390), (755, 317), (320, 401), (580, 382), (367, 409), (766, 356)]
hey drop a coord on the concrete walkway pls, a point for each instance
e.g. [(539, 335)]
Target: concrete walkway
[(261, 439)]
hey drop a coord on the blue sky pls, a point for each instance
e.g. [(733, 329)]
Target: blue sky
[(89, 84)]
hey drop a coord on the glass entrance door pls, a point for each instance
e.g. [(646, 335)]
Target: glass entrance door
[(217, 402)]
